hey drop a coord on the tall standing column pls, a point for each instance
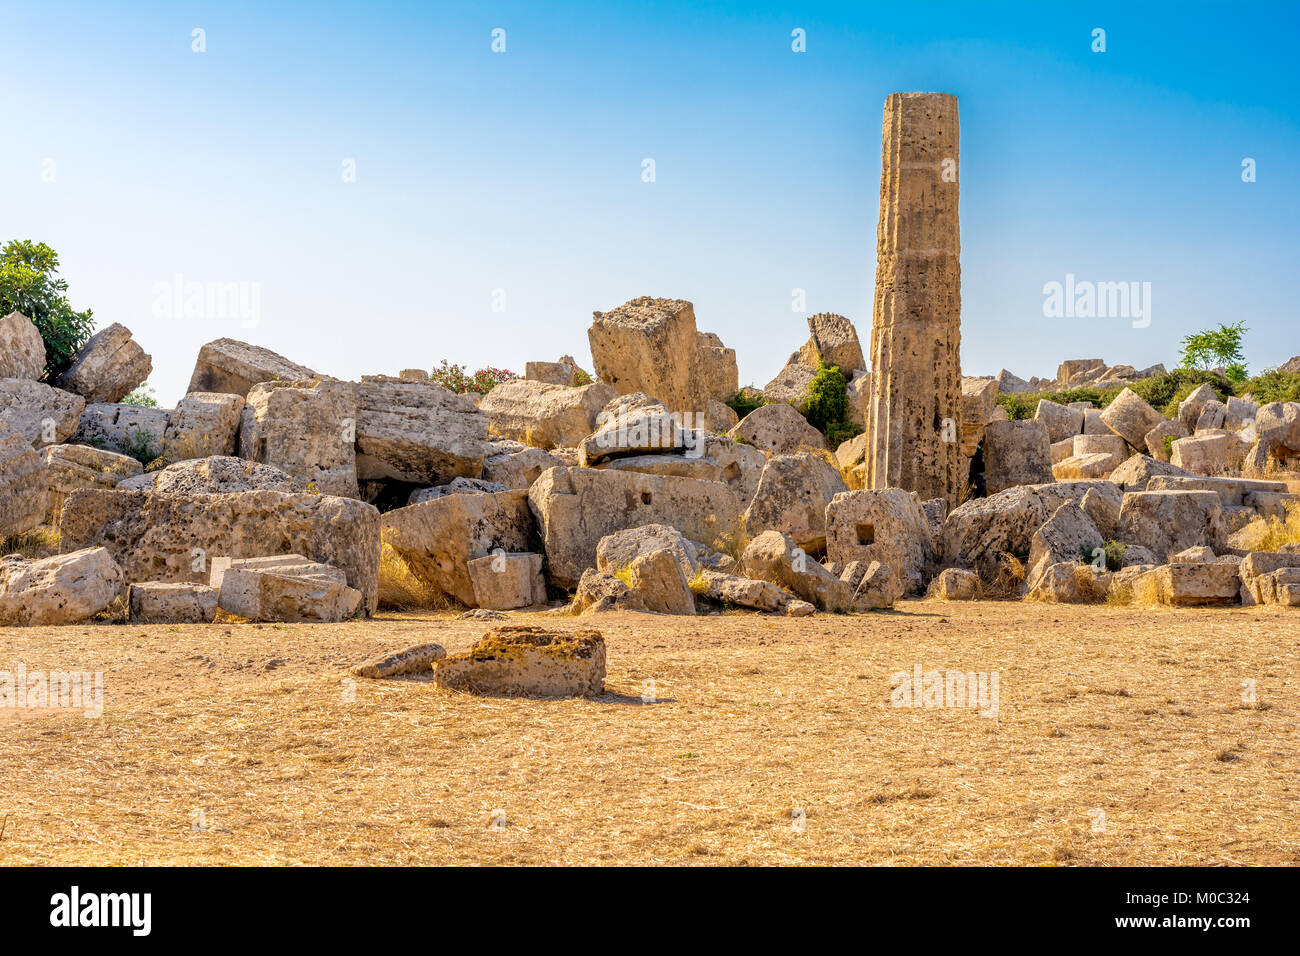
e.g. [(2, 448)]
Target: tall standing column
[(915, 413)]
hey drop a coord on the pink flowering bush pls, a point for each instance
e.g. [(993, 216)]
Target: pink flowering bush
[(455, 379)]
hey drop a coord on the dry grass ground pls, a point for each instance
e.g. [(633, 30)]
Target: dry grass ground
[(243, 744)]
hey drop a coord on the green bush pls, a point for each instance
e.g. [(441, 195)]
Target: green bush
[(1217, 347), (142, 396), (1025, 404), (1272, 386), (828, 398), (839, 432), (28, 285), (744, 402)]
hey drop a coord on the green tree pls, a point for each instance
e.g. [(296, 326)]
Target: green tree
[(1221, 347), (29, 284)]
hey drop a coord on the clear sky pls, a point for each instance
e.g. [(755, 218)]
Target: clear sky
[(522, 171)]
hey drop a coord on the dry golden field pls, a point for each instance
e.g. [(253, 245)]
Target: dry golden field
[(1121, 737)]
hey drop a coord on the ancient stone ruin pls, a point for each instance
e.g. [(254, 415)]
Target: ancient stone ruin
[(916, 330)]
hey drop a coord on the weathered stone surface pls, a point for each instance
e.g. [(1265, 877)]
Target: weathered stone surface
[(1169, 521), (1196, 582), (65, 589), (916, 329), (41, 414), (417, 432), (1010, 384), (798, 608), (719, 377), (886, 526), (1159, 438), (520, 468), (1075, 372), (503, 582), (520, 660), (956, 584), (24, 484), (1277, 430), (978, 401), (1190, 408), (1070, 583), (286, 587), (1084, 467), (634, 424), (600, 592), (851, 452), (790, 387), (773, 556), (874, 585), (720, 417), (457, 486), (216, 475), (650, 345), (1067, 537), (662, 585), (1093, 424), (155, 602), (107, 367), (417, 659), (73, 467), (617, 551), (228, 365), (1016, 453), (1201, 454), (745, 592), (1258, 582), (123, 428), (552, 373), (978, 532), (1136, 473), (792, 496), (175, 538), (1240, 411), (834, 341), (204, 424), (1101, 504), (1130, 417), (577, 507), (1212, 416), (438, 539), (545, 416), (304, 430), (777, 429), (1060, 421), (858, 392), (1062, 450), (22, 350), (1193, 554)]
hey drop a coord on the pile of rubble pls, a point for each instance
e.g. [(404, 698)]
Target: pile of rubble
[(271, 489)]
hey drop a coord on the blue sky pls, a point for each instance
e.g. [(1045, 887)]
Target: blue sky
[(522, 171)]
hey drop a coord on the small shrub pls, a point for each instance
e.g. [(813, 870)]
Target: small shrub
[(28, 284), (401, 590), (840, 432), (1114, 551), (699, 585), (745, 401), (455, 379), (142, 396), (139, 445), (828, 399), (581, 377), (1272, 386)]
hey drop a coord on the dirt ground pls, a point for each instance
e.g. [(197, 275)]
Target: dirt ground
[(1121, 736)]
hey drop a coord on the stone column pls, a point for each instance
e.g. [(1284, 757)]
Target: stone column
[(915, 413)]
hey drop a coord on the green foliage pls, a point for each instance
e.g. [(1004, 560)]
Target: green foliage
[(28, 285), (828, 399), (581, 377), (1114, 551), (1272, 386), (839, 432), (1164, 392), (745, 401), (455, 379), (1219, 347), (139, 445), (142, 396), (1025, 404)]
